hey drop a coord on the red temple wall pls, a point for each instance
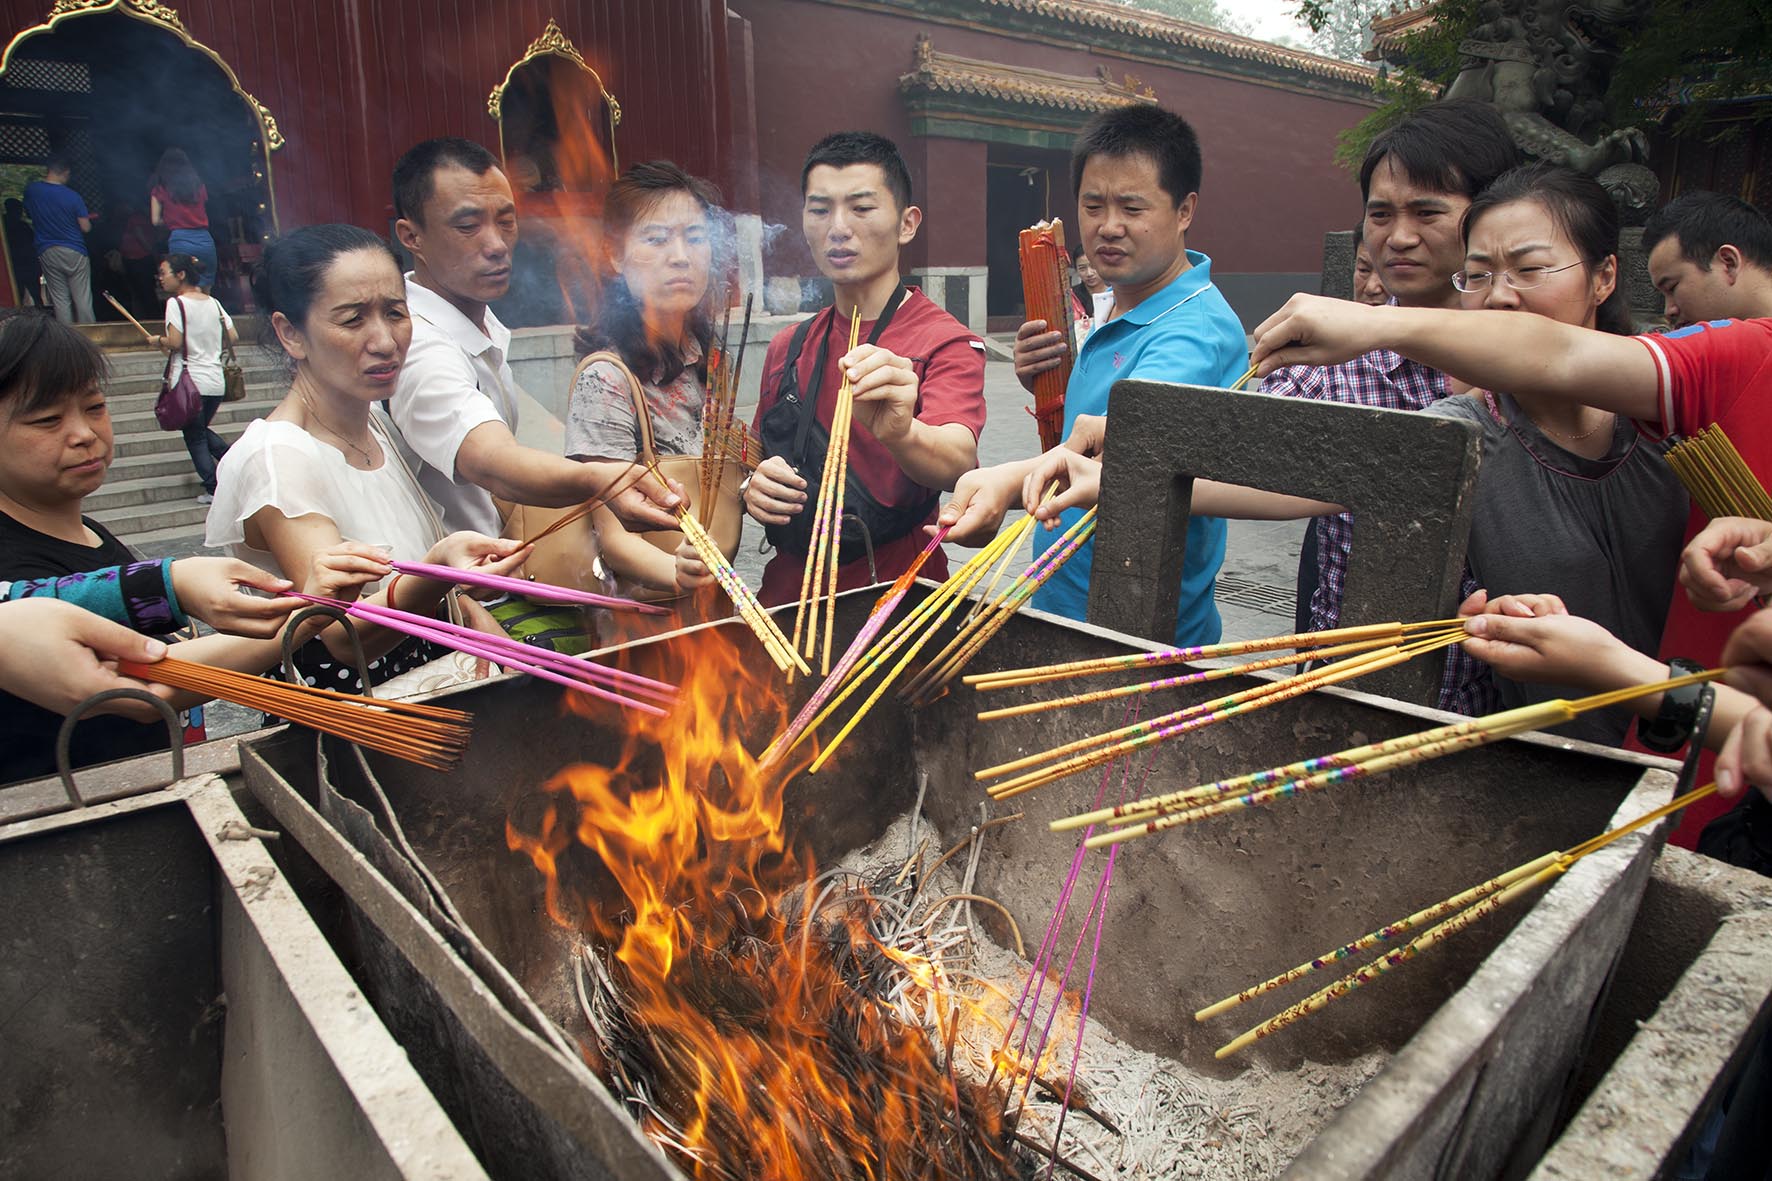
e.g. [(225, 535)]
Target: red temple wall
[(353, 83), (1271, 187)]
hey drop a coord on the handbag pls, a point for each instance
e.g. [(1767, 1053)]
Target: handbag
[(179, 403), (567, 556), (233, 374)]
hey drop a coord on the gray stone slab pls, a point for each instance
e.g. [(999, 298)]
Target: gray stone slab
[(1408, 478), (1338, 264)]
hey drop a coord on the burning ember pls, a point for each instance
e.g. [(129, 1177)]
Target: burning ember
[(761, 1019)]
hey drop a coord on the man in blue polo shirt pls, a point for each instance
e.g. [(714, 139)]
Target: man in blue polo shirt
[(60, 222), (1136, 172)]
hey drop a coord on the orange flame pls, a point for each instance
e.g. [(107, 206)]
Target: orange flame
[(762, 1080)]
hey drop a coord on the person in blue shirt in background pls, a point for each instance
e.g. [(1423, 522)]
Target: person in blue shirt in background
[(61, 223), (1136, 172)]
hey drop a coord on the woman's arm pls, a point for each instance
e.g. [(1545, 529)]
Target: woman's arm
[(633, 557), (156, 214)]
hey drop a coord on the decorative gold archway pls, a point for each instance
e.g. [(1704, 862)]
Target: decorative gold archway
[(162, 17), (553, 42)]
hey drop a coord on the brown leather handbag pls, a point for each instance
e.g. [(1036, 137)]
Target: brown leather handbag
[(567, 556)]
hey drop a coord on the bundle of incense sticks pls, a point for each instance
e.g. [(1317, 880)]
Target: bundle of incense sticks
[(1244, 380), (914, 631), (626, 689), (876, 620), (428, 735), (1046, 290), (1301, 642), (817, 585), (1084, 753), (112, 300), (1717, 478), (1252, 790), (723, 438), (541, 592), (988, 619), (1465, 909), (761, 623)]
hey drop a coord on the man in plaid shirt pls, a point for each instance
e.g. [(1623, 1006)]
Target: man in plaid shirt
[(1417, 180)]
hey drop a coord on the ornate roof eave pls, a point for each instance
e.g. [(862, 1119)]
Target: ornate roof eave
[(942, 79), (1134, 34), (161, 16)]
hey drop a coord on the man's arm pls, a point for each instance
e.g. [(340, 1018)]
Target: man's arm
[(492, 458), (1532, 355), (887, 392)]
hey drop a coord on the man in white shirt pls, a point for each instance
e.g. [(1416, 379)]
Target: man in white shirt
[(456, 403)]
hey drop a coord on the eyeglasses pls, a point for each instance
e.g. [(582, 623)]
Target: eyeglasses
[(1519, 278)]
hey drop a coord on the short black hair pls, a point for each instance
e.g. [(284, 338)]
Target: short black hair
[(43, 361), (187, 268), (1704, 222), (58, 162), (415, 174), (844, 148), (1142, 130), (1457, 145)]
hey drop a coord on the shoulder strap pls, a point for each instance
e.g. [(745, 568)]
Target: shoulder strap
[(184, 331), (637, 392)]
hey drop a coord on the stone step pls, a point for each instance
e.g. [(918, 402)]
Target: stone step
[(144, 490), (140, 421), (137, 524), (149, 465), (148, 384), (158, 442)]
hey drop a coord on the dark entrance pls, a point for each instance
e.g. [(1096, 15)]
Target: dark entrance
[(1022, 186), (112, 92)]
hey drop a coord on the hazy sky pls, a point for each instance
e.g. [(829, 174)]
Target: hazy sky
[(1268, 18)]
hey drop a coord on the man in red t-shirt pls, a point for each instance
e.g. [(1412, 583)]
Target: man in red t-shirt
[(1717, 373), (917, 377)]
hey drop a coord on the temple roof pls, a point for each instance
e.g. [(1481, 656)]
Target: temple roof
[(1017, 84), (1404, 18)]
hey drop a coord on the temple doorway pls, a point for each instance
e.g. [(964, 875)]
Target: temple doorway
[(1022, 186), (112, 90)]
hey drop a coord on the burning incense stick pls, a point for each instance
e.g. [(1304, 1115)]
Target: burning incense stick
[(1194, 717), (840, 428), (109, 298), (541, 592), (1495, 894), (877, 617), (1395, 632), (1431, 744), (830, 482), (1045, 289), (429, 735)]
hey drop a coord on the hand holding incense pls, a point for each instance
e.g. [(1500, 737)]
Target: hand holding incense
[(1046, 294)]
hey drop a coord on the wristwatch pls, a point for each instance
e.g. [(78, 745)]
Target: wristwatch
[(1671, 728), (744, 485)]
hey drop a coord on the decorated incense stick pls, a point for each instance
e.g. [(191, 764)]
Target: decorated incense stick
[(1395, 632), (1433, 744), (1248, 375), (934, 612), (1046, 293), (1495, 894), (541, 592), (1193, 678), (876, 620), (112, 300), (761, 623), (934, 679), (429, 735), (840, 486), (1132, 738)]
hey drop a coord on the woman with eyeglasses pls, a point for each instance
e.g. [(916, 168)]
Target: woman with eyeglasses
[(1575, 510)]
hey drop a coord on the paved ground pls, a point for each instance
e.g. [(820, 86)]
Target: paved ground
[(1255, 588)]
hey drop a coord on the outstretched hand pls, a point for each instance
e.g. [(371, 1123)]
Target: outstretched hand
[(1557, 650), (1315, 330), (1728, 563), (209, 588), (1079, 484), (1747, 755), (56, 655)]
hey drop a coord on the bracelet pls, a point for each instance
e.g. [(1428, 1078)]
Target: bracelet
[(392, 583), (1672, 725)]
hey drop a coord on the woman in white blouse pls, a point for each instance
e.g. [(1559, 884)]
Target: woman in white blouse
[(320, 468), (197, 328)]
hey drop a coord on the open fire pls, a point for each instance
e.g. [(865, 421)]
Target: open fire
[(762, 1019)]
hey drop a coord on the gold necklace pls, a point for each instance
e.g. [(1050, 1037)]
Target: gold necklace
[(368, 460), (1611, 419)]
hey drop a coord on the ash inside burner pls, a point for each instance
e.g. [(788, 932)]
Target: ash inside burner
[(910, 982)]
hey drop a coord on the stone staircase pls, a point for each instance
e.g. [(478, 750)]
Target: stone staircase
[(149, 498)]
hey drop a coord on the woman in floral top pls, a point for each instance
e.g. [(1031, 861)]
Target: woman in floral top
[(657, 316)]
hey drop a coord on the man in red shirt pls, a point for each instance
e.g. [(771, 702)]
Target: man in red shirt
[(917, 377), (1717, 373)]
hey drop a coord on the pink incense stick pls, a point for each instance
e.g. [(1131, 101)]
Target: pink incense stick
[(540, 591), (506, 653), (633, 682)]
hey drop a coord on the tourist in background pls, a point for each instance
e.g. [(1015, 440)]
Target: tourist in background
[(1710, 256), (178, 200), (59, 225), (197, 329), (21, 245)]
